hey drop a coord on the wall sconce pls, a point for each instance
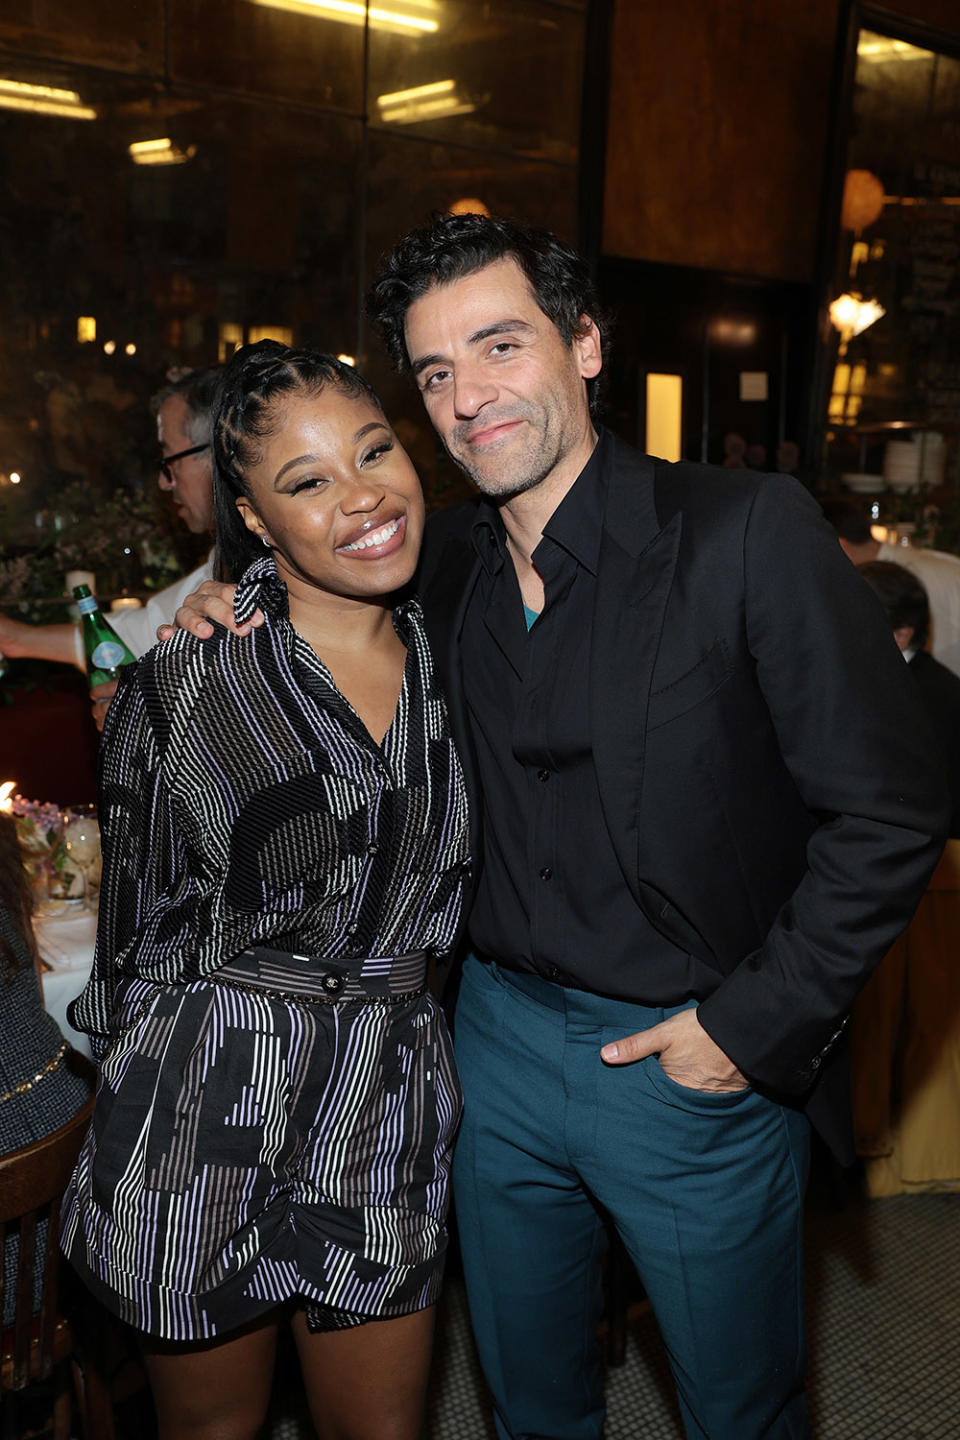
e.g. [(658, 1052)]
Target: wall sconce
[(851, 314)]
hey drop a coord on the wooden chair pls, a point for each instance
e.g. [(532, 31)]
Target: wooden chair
[(40, 1345)]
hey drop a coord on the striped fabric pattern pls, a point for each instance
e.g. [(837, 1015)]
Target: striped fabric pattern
[(247, 1149), (244, 803), (251, 1142)]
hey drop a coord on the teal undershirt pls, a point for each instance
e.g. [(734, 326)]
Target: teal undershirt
[(530, 616)]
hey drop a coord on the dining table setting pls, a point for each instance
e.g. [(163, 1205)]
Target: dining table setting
[(65, 939), (60, 848)]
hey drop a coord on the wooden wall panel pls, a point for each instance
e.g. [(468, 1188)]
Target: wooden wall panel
[(718, 121)]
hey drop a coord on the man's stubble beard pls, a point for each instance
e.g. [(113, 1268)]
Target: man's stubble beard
[(536, 469)]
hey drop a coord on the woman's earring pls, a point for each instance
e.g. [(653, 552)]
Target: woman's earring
[(267, 541)]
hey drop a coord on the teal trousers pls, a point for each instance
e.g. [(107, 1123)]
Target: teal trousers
[(706, 1191)]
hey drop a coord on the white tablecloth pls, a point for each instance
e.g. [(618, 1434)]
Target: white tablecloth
[(66, 943)]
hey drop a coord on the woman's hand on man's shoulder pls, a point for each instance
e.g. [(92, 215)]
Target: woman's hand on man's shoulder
[(213, 600)]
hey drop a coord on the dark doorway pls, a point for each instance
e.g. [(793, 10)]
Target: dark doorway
[(742, 348)]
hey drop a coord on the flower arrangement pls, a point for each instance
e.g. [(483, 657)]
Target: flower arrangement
[(128, 538), (40, 833)]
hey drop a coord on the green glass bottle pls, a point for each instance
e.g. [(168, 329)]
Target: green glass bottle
[(105, 651)]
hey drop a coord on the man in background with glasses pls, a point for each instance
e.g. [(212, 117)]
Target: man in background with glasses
[(184, 412)]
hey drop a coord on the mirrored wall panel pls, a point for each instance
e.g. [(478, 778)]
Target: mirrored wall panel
[(179, 179), (893, 407)]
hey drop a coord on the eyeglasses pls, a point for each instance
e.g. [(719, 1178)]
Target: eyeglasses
[(169, 460)]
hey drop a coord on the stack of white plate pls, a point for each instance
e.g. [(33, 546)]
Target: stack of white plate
[(901, 465), (863, 484), (933, 453)]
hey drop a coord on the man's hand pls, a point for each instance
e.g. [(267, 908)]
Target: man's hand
[(101, 695), (686, 1052), (213, 601)]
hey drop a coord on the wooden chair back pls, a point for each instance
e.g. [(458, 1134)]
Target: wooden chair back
[(32, 1182)]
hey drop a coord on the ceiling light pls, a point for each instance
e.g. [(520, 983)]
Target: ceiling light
[(43, 100), (423, 102), (413, 19), (879, 48), (419, 92), (160, 152)]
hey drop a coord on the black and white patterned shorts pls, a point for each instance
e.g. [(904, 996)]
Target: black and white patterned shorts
[(283, 1129)]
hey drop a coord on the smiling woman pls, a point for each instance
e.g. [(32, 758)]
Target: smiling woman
[(284, 841)]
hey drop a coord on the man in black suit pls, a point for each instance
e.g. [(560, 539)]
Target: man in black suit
[(678, 709), (907, 607), (676, 705)]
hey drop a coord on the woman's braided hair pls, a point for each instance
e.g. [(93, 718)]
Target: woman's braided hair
[(253, 382)]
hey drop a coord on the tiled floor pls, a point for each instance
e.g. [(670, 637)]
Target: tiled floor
[(884, 1312), (884, 1300)]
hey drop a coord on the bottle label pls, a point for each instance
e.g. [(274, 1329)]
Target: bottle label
[(108, 655), (87, 605)]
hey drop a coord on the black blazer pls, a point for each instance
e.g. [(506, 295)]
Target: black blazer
[(763, 765)]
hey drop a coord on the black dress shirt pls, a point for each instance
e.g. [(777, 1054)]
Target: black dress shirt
[(551, 897)]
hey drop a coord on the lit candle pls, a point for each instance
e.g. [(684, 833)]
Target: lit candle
[(6, 794), (125, 602)]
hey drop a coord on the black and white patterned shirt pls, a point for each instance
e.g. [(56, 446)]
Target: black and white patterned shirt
[(243, 802)]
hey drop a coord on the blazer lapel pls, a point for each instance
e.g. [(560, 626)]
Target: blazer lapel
[(637, 564), (444, 596)]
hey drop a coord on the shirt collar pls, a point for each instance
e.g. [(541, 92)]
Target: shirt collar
[(489, 537), (576, 525), (261, 586)]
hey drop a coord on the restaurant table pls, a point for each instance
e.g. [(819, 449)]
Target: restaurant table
[(905, 1049), (66, 938)]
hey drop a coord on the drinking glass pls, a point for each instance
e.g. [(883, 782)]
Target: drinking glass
[(81, 837)]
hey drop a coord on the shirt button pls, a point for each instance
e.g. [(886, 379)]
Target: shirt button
[(546, 873), (352, 928), (553, 973), (543, 776), (332, 983), (372, 848)]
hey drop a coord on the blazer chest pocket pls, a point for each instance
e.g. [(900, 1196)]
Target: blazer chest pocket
[(690, 688)]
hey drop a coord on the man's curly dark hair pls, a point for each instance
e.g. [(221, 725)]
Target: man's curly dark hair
[(453, 246)]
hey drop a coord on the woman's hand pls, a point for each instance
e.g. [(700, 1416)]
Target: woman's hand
[(213, 601)]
